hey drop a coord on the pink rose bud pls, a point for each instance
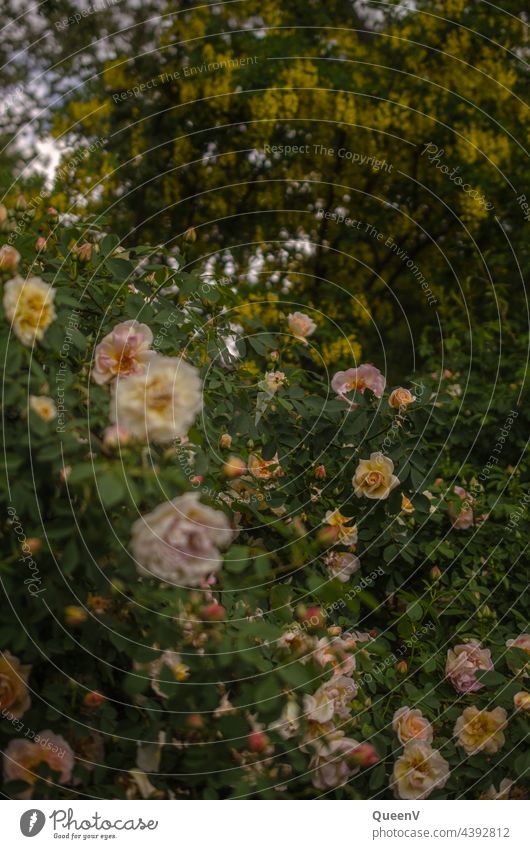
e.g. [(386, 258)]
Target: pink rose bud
[(274, 355), (40, 244), (214, 612), (257, 741), (196, 480), (9, 258), (364, 755), (320, 472), (225, 440), (313, 617), (402, 667), (34, 544), (195, 721), (436, 573), (329, 535), (52, 211), (93, 700)]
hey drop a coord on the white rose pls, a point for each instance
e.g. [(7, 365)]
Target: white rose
[(178, 542), (160, 404)]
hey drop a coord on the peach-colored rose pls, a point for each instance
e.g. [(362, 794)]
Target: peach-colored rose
[(14, 695), (22, 759), (179, 540), (410, 724), (462, 515), (463, 663), (333, 765), (9, 258), (420, 770), (481, 730), (346, 534), (331, 699), (400, 398), (521, 642), (375, 478), (28, 305), (273, 381), (342, 565), (301, 326), (366, 376), (264, 469), (125, 350)]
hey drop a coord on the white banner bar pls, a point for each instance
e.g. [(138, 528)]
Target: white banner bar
[(255, 825)]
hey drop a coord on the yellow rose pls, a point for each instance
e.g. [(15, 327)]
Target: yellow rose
[(400, 398), (481, 730), (28, 305), (14, 696), (375, 478)]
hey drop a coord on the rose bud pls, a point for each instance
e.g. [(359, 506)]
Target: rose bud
[(52, 211), (74, 615), (181, 672), (257, 741), (234, 467), (436, 573), (196, 480), (9, 258), (334, 630), (93, 700), (34, 544), (225, 441), (21, 204), (84, 253), (402, 667), (328, 535), (3, 214), (364, 755), (521, 701), (213, 612), (195, 721), (320, 472), (274, 355), (41, 244), (115, 435), (190, 235), (313, 616), (373, 632)]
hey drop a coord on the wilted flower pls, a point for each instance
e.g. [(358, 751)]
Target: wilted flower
[(289, 722), (301, 326), (125, 350), (420, 770), (333, 765), (14, 695), (160, 404), (22, 759), (331, 699), (366, 376), (179, 540), (342, 565), (264, 469), (28, 305), (43, 406), (84, 252), (481, 730), (410, 724), (400, 398), (463, 663), (521, 642), (347, 535), (375, 478), (9, 258), (461, 517)]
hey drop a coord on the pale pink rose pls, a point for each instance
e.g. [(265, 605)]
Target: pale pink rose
[(410, 724), (481, 730), (521, 642), (179, 540), (342, 565), (419, 771), (461, 515), (331, 699), (366, 376), (301, 326), (463, 663), (333, 764), (23, 757), (124, 351)]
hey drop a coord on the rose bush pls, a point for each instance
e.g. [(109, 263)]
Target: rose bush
[(220, 579)]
